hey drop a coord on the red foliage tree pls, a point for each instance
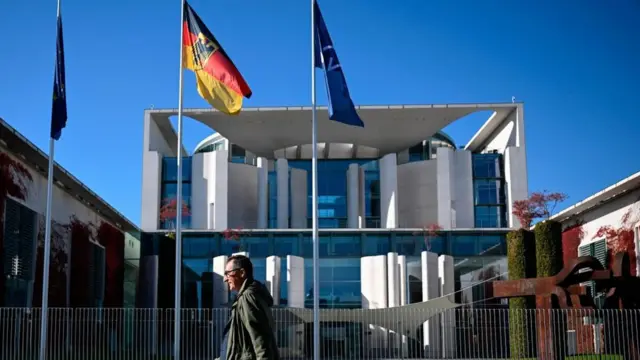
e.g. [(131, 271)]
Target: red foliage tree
[(169, 212), (234, 235), (571, 238), (430, 232), (15, 179), (112, 239), (58, 266), (539, 205), (81, 234), (620, 239)]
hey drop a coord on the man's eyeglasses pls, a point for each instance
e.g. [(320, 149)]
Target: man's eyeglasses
[(230, 272)]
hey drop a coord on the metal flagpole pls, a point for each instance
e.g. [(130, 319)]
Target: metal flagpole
[(314, 194), (47, 250), (47, 246), (178, 271)]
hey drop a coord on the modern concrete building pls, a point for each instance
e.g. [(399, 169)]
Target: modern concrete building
[(75, 208), (379, 188)]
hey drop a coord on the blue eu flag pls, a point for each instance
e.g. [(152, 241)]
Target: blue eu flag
[(59, 107), (341, 106)]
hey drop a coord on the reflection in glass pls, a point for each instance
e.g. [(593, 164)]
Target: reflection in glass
[(286, 245), (463, 245), (487, 166), (256, 246), (307, 247), (488, 192), (406, 245), (373, 244), (490, 216), (348, 245), (198, 247), (339, 283), (272, 188)]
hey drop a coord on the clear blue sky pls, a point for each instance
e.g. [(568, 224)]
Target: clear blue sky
[(575, 64)]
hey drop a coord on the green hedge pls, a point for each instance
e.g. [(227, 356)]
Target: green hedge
[(548, 263), (521, 263), (548, 248)]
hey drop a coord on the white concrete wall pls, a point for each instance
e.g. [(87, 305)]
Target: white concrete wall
[(299, 199), (403, 280), (217, 189), (445, 187), (154, 147), (263, 192), (64, 205), (353, 196), (431, 290), (151, 183), (393, 280), (515, 173), (282, 170), (295, 281), (612, 214), (505, 135), (361, 200), (153, 139), (417, 195), (242, 196), (463, 187), (396, 284), (389, 191), (199, 186), (273, 278), (220, 288), (374, 280), (446, 280)]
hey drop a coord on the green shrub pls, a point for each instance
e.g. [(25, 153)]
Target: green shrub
[(548, 263), (521, 263), (548, 236)]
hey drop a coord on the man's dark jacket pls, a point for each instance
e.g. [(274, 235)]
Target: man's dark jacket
[(250, 327)]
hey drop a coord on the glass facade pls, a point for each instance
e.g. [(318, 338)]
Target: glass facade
[(340, 256), (169, 191), (489, 191), (332, 192)]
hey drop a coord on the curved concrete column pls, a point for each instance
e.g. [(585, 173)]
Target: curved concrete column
[(389, 191), (263, 192), (282, 175)]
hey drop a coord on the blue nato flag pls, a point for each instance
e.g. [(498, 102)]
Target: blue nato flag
[(59, 107), (341, 107)]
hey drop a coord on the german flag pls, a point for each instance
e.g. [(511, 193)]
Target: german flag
[(219, 81)]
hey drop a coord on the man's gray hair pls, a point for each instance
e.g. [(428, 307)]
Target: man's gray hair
[(242, 262)]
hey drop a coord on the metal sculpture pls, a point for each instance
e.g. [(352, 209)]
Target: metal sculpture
[(563, 291)]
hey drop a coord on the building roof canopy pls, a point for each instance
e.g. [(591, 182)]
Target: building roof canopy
[(387, 128)]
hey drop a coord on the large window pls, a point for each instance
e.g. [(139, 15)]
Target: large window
[(488, 191), (169, 193), (332, 191), (339, 283), (19, 250)]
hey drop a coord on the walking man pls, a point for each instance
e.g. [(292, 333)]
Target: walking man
[(249, 332)]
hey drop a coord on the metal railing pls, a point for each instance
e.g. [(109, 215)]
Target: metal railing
[(462, 333)]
